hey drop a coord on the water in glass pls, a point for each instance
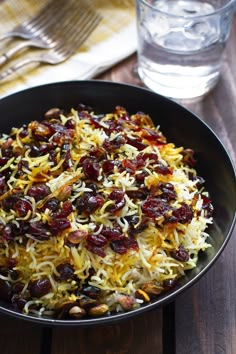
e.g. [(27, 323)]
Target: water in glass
[(180, 53)]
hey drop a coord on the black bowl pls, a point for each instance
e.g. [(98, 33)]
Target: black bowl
[(179, 126)]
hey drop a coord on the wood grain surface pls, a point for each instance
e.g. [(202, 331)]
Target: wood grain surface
[(19, 337), (132, 336), (203, 319)]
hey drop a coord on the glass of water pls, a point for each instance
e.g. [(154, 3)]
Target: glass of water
[(181, 44)]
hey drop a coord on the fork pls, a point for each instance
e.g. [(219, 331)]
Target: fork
[(73, 38), (44, 33), (30, 28)]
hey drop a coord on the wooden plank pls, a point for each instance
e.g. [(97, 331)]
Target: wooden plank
[(18, 337), (206, 314), (139, 335)]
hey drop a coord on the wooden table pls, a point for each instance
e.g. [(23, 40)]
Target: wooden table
[(200, 321)]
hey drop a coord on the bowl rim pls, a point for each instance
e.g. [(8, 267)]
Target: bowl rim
[(166, 297)]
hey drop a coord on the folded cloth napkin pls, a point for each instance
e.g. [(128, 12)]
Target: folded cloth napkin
[(113, 40)]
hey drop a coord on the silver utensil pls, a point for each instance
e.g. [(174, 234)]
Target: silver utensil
[(49, 30), (33, 27), (73, 37)]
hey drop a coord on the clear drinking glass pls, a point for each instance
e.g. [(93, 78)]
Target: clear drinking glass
[(181, 44)]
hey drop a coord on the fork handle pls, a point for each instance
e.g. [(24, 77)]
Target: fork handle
[(18, 66), (12, 34), (12, 51)]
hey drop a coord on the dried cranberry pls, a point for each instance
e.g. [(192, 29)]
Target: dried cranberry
[(95, 249), (3, 161), (9, 202), (53, 157), (39, 191), (21, 228), (136, 142), (108, 166), (98, 153), (129, 165), (80, 202), (65, 271), (6, 173), (184, 214), (133, 221), (18, 301), (24, 132), (118, 141), (106, 144), (118, 196), (141, 176), (59, 224), (95, 122), (22, 206), (162, 169), (40, 287), (134, 231), (66, 209), (21, 165), (46, 148), (155, 207), (67, 164), (70, 124), (89, 203), (112, 234), (93, 203), (8, 232), (2, 183), (52, 204), (122, 246), (207, 206), (140, 193), (34, 151), (188, 157), (8, 152), (18, 287), (39, 230), (97, 240), (151, 157), (114, 126), (91, 168), (181, 254), (168, 191), (152, 136)]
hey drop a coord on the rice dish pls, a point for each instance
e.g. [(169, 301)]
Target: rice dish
[(99, 213)]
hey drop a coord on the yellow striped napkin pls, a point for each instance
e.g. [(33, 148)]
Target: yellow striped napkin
[(113, 40)]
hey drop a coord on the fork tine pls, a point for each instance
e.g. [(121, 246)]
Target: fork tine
[(87, 30), (46, 18), (51, 17), (84, 29), (73, 38), (43, 16), (72, 32)]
